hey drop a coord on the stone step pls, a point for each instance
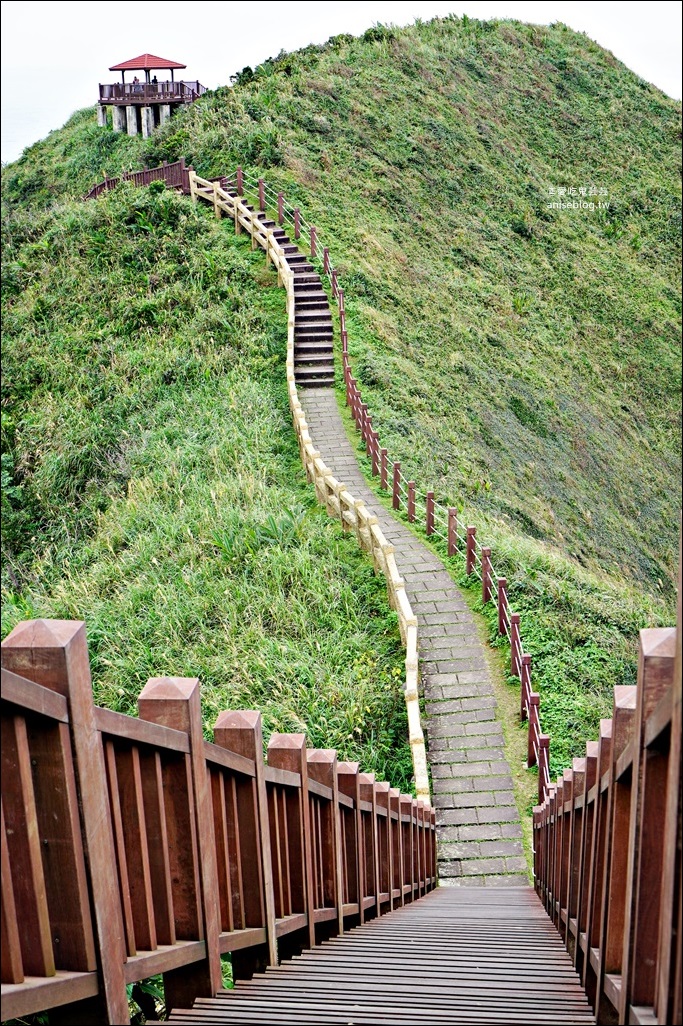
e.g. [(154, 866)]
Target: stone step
[(316, 379), (314, 336), (308, 357), (312, 318), (306, 283), (306, 299), (311, 305), (320, 346)]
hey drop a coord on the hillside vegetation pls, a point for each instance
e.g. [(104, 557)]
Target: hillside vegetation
[(153, 483), (522, 360)]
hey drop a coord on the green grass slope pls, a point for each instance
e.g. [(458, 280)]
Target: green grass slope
[(520, 359), (153, 485)]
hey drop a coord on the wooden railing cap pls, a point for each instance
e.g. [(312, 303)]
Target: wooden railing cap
[(38, 650), (322, 755), (43, 633), (296, 742), (658, 642), (169, 687), (238, 719), (625, 696), (348, 768)]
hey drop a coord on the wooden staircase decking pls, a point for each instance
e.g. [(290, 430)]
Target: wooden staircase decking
[(461, 955)]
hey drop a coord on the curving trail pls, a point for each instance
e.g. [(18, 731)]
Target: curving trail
[(478, 827)]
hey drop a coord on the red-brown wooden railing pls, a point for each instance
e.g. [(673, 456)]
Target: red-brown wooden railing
[(150, 92), (133, 846), (607, 843), (176, 176)]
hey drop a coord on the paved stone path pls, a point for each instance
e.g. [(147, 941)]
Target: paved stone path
[(479, 831)]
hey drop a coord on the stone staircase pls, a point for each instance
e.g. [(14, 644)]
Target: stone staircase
[(313, 349)]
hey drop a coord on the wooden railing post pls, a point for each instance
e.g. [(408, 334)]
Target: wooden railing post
[(240, 182), (334, 281), (349, 784), (326, 259), (407, 842), (452, 530), (396, 486), (645, 841), (515, 646), (502, 605), (534, 702), (411, 501), (314, 240), (525, 690), (240, 731), (383, 469), (54, 653), (543, 765), (385, 854), (175, 702), (429, 516), (368, 434), (375, 453), (471, 551), (297, 224), (397, 896), (322, 766), (288, 752), (616, 848), (261, 195), (366, 783), (668, 992), (486, 590)]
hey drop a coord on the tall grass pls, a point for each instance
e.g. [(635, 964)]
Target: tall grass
[(156, 486)]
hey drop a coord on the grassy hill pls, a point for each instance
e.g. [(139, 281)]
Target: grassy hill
[(153, 485), (521, 359)]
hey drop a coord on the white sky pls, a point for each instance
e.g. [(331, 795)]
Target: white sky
[(54, 54)]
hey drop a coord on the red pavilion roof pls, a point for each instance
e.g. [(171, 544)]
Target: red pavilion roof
[(147, 62)]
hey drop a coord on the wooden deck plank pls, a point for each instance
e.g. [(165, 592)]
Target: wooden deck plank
[(451, 957)]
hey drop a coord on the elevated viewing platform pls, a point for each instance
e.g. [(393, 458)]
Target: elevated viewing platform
[(141, 106)]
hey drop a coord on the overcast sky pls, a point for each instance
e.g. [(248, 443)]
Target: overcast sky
[(55, 54)]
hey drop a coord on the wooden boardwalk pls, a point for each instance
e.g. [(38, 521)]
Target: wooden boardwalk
[(459, 955)]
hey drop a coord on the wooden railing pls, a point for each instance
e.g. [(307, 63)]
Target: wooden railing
[(607, 843), (150, 92), (331, 493), (133, 846), (175, 175)]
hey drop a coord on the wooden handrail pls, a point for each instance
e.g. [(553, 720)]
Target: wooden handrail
[(175, 175), (133, 846), (607, 847)]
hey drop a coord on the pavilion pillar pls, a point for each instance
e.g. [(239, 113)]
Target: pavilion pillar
[(147, 122), (132, 120), (101, 115), (164, 112), (118, 119)]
